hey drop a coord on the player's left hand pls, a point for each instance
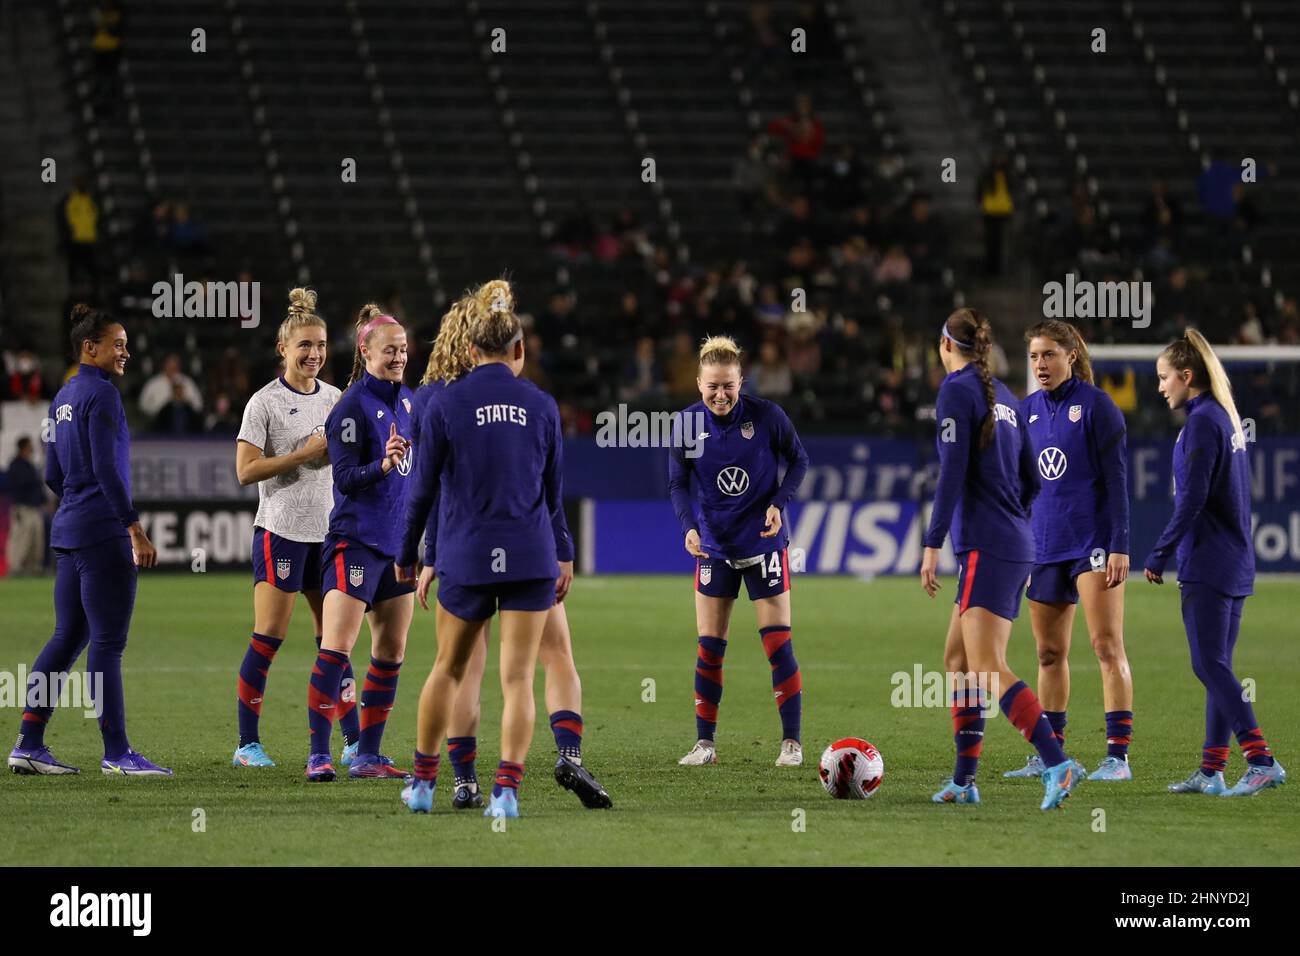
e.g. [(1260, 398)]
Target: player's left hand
[(564, 581), (1116, 570), (929, 571), (427, 574), (773, 522), (1153, 577)]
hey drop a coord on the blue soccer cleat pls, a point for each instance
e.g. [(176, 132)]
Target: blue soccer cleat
[(319, 769), (951, 793), (506, 805), (349, 754), (132, 764), (1112, 768), (418, 795), (374, 767), (38, 761), (1198, 782), (252, 755), (1033, 768), (1256, 779), (1059, 782), (466, 797)]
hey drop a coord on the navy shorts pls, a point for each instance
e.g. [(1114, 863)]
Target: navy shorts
[(991, 583), (766, 577), (478, 602), (1057, 583), (286, 565), (359, 571)]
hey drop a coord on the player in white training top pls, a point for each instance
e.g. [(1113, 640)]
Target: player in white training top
[(282, 447)]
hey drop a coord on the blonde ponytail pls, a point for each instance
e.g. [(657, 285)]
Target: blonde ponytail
[(449, 357), (1194, 352), (719, 350), (368, 312), (493, 325)]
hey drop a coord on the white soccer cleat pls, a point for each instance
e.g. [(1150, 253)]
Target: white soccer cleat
[(791, 754), (702, 753)]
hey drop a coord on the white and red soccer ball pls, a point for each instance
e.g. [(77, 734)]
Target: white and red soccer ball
[(851, 769)]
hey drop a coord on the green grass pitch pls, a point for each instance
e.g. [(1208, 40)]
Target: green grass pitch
[(189, 635)]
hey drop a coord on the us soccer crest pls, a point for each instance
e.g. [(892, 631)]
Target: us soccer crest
[(1076, 412), (747, 430), (356, 575), (406, 403), (282, 568), (706, 573)]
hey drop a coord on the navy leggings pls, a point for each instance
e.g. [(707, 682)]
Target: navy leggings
[(1213, 621), (94, 594)]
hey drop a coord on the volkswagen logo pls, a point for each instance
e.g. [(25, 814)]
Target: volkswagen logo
[(404, 464), (1051, 463), (733, 481)]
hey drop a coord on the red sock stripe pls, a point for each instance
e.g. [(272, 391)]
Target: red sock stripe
[(509, 774), (374, 715), (708, 657), (1123, 741), (266, 650), (788, 687), (249, 696), (713, 677), (773, 641), (971, 562), (1025, 712), (1253, 748), (572, 726), (706, 710), (35, 718), (320, 702)]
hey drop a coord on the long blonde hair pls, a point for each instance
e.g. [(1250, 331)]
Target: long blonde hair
[(449, 357), (493, 325), (1193, 352)]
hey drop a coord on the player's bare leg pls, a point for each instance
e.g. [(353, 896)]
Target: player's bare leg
[(713, 620)]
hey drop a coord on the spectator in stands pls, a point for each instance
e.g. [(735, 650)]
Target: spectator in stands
[(803, 352), (683, 365), (574, 237), (642, 375), (79, 226), (106, 47), (171, 400), (630, 321), (26, 549), (187, 237), (996, 206), (225, 417), (765, 43), (1162, 218), (924, 239), (894, 268), (152, 233), (536, 362), (229, 374), (23, 376), (770, 309), (804, 137), (751, 177), (843, 186), (770, 376)]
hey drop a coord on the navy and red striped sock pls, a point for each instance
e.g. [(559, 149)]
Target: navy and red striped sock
[(1213, 760), (252, 684), (1058, 720), (567, 728), (377, 697), (1119, 733), (1023, 709), (426, 766), (509, 775), (462, 751), (967, 733), (787, 683), (349, 722), (708, 685), (1255, 748), (322, 697)]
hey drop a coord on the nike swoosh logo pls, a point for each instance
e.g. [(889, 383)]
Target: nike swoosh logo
[(1032, 419)]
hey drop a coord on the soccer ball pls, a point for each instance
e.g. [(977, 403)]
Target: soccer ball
[(851, 769)]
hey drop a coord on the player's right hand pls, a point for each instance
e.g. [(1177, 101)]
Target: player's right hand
[(693, 544), (427, 574), (394, 449), (564, 581), (315, 447), (142, 549), (929, 571)]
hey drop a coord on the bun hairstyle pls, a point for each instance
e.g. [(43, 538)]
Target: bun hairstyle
[(493, 325), (719, 350), (88, 325), (1193, 352), (302, 313), (369, 312), (449, 358), (1068, 337), (970, 333)]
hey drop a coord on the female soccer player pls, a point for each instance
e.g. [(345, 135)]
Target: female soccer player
[(449, 360), (1080, 523), (98, 543), (282, 447), (1210, 536), (987, 480), (371, 458), (731, 517), (490, 454)]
